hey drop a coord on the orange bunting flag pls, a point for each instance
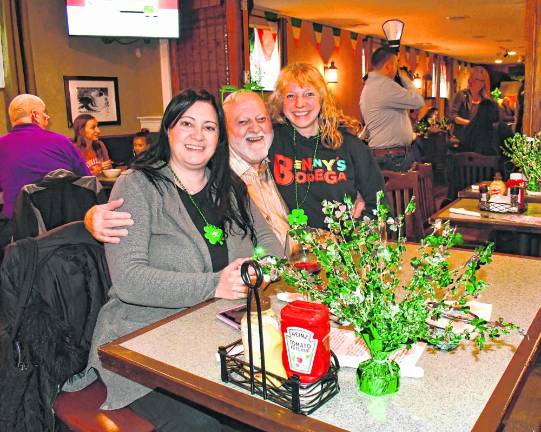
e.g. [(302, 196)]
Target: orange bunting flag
[(296, 29)]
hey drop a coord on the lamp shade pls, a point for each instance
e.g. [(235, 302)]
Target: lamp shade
[(393, 30), (417, 81), (331, 73)]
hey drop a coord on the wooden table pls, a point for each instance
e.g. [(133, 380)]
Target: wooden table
[(469, 193), (461, 390), (527, 225)]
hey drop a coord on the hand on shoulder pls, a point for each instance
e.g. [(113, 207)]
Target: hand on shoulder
[(104, 223)]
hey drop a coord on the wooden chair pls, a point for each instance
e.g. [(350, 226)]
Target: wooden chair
[(425, 201), (80, 412), (434, 149), (400, 189), (470, 168)]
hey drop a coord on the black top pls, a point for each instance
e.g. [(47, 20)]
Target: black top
[(218, 253), (486, 141), (462, 106), (331, 175)]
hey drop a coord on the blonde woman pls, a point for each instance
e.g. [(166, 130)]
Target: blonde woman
[(316, 154), (466, 102)]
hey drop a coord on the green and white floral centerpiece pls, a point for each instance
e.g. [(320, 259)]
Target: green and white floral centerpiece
[(363, 286), (525, 153)]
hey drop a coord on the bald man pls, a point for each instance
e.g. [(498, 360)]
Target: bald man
[(29, 151)]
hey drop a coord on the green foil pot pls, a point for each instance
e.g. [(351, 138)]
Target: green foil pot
[(378, 376)]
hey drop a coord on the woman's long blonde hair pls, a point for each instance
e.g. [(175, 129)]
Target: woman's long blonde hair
[(331, 116), (481, 73)]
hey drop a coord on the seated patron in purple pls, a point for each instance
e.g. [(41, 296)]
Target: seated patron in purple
[(29, 151)]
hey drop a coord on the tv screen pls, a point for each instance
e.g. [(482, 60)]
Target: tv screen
[(123, 18)]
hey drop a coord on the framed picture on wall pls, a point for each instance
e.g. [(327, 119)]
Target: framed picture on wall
[(97, 96)]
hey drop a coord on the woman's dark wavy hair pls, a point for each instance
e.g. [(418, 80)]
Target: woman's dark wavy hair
[(79, 140), (479, 134), (227, 192)]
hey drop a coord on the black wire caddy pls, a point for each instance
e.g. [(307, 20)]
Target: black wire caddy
[(497, 207), (290, 393)]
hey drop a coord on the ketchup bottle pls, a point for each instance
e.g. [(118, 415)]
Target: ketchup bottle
[(305, 330)]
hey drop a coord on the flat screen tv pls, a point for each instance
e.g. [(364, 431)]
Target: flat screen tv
[(123, 18)]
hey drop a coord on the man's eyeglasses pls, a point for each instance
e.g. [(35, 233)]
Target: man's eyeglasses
[(43, 113)]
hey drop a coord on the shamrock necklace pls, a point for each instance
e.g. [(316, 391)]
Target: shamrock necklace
[(297, 215), (213, 233)]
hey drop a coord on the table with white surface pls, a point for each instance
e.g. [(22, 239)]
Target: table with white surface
[(461, 391)]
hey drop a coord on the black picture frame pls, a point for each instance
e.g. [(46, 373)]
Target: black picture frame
[(94, 95)]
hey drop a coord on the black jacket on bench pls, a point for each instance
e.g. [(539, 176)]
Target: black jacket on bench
[(51, 290)]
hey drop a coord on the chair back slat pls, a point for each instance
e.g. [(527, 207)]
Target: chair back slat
[(472, 168), (400, 189), (434, 151), (425, 201)]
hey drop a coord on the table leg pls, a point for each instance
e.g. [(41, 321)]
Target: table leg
[(523, 243)]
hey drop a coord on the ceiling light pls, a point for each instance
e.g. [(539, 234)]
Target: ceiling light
[(512, 53), (498, 61), (393, 30), (456, 17)]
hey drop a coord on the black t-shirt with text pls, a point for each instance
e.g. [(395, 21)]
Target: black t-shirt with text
[(329, 175)]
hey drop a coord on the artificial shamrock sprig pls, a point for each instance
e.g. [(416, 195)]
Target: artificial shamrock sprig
[(525, 153), (363, 286)]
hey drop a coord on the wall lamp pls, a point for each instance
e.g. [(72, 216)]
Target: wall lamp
[(417, 81), (427, 78), (331, 73)]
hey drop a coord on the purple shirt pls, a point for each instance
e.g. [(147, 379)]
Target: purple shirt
[(29, 152)]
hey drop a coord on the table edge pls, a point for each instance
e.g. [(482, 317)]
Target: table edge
[(216, 396), (512, 380)]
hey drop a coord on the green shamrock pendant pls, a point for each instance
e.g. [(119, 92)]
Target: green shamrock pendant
[(297, 217), (214, 234)]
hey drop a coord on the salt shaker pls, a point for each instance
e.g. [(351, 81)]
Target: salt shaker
[(483, 191)]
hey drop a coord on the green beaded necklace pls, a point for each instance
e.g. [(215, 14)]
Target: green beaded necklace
[(213, 233), (298, 212)]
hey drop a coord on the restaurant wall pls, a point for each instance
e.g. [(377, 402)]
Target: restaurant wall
[(318, 45), (3, 117), (320, 49), (55, 54)]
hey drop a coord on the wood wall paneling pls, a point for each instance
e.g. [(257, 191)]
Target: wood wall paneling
[(209, 53), (532, 94), (348, 88)]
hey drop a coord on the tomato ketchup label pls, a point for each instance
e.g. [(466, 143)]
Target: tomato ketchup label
[(301, 349)]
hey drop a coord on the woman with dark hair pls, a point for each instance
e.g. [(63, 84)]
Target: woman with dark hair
[(316, 154), (86, 134), (141, 142), (486, 133), (195, 227)]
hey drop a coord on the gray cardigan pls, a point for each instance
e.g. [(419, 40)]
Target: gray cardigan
[(161, 267)]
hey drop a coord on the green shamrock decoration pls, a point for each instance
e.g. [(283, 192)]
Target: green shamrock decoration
[(496, 95), (214, 234), (297, 217)]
